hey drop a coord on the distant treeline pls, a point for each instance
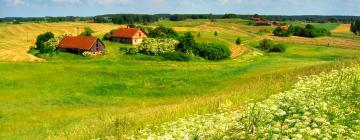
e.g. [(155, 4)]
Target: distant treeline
[(143, 18)]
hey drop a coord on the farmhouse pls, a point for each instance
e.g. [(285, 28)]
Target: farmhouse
[(128, 35), (80, 44)]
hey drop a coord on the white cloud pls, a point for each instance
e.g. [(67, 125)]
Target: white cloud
[(223, 2), (15, 2), (66, 1)]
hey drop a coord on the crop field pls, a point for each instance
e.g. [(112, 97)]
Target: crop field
[(115, 95)]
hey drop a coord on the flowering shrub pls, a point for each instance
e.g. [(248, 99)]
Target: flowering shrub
[(86, 53), (152, 46), (318, 107)]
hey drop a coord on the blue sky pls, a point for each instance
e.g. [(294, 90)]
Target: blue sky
[(30, 8)]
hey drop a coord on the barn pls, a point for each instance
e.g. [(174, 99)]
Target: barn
[(80, 44), (128, 35)]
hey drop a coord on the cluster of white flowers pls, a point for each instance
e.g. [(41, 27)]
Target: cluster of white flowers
[(318, 107)]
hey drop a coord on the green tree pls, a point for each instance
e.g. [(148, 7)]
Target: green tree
[(87, 32), (238, 41), (216, 33), (213, 52), (265, 45), (281, 32), (108, 35), (186, 44), (41, 39), (163, 32), (355, 27)]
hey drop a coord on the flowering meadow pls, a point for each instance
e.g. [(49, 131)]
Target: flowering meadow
[(324, 106)]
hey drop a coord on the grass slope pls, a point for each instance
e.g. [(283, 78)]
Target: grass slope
[(72, 97)]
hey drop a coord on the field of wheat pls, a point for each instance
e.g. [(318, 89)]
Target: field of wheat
[(15, 40)]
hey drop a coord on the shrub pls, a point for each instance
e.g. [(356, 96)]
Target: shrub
[(215, 33), (41, 39), (186, 44), (154, 46), (213, 52), (238, 41), (86, 54), (309, 31), (265, 45), (108, 35), (278, 48), (87, 32), (130, 50), (176, 56), (281, 32), (163, 32)]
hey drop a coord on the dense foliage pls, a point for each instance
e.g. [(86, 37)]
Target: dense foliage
[(163, 32), (108, 35), (176, 56), (87, 32), (238, 41), (355, 27), (268, 46), (41, 39), (126, 18), (157, 46), (212, 52), (186, 44), (317, 107), (308, 31)]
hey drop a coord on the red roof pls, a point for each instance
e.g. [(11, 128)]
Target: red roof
[(77, 42), (125, 32)]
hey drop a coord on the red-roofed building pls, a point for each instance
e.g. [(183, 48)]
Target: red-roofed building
[(80, 44), (128, 35)]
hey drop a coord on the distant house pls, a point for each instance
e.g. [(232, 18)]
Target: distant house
[(128, 35), (80, 44)]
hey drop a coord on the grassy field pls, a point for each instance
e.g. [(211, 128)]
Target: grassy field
[(72, 97)]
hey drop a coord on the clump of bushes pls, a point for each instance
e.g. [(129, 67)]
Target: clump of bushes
[(87, 32), (176, 56), (163, 32), (307, 31), (157, 46), (187, 44), (212, 52), (268, 46), (108, 35)]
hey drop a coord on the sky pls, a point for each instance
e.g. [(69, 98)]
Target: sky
[(39, 8)]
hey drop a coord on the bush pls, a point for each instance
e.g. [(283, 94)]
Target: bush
[(281, 32), (41, 39), (86, 54), (186, 44), (108, 35), (265, 45), (238, 41), (130, 50), (163, 32), (213, 52), (308, 31), (278, 48), (153, 46), (176, 56), (88, 32)]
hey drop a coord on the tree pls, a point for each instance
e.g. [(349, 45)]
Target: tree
[(163, 32), (108, 35), (216, 33), (87, 32), (41, 39), (238, 41), (265, 44), (186, 44), (281, 32), (355, 27)]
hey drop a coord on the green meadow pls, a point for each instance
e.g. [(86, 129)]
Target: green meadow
[(73, 97)]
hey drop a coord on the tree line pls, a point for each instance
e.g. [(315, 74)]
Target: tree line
[(145, 18)]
